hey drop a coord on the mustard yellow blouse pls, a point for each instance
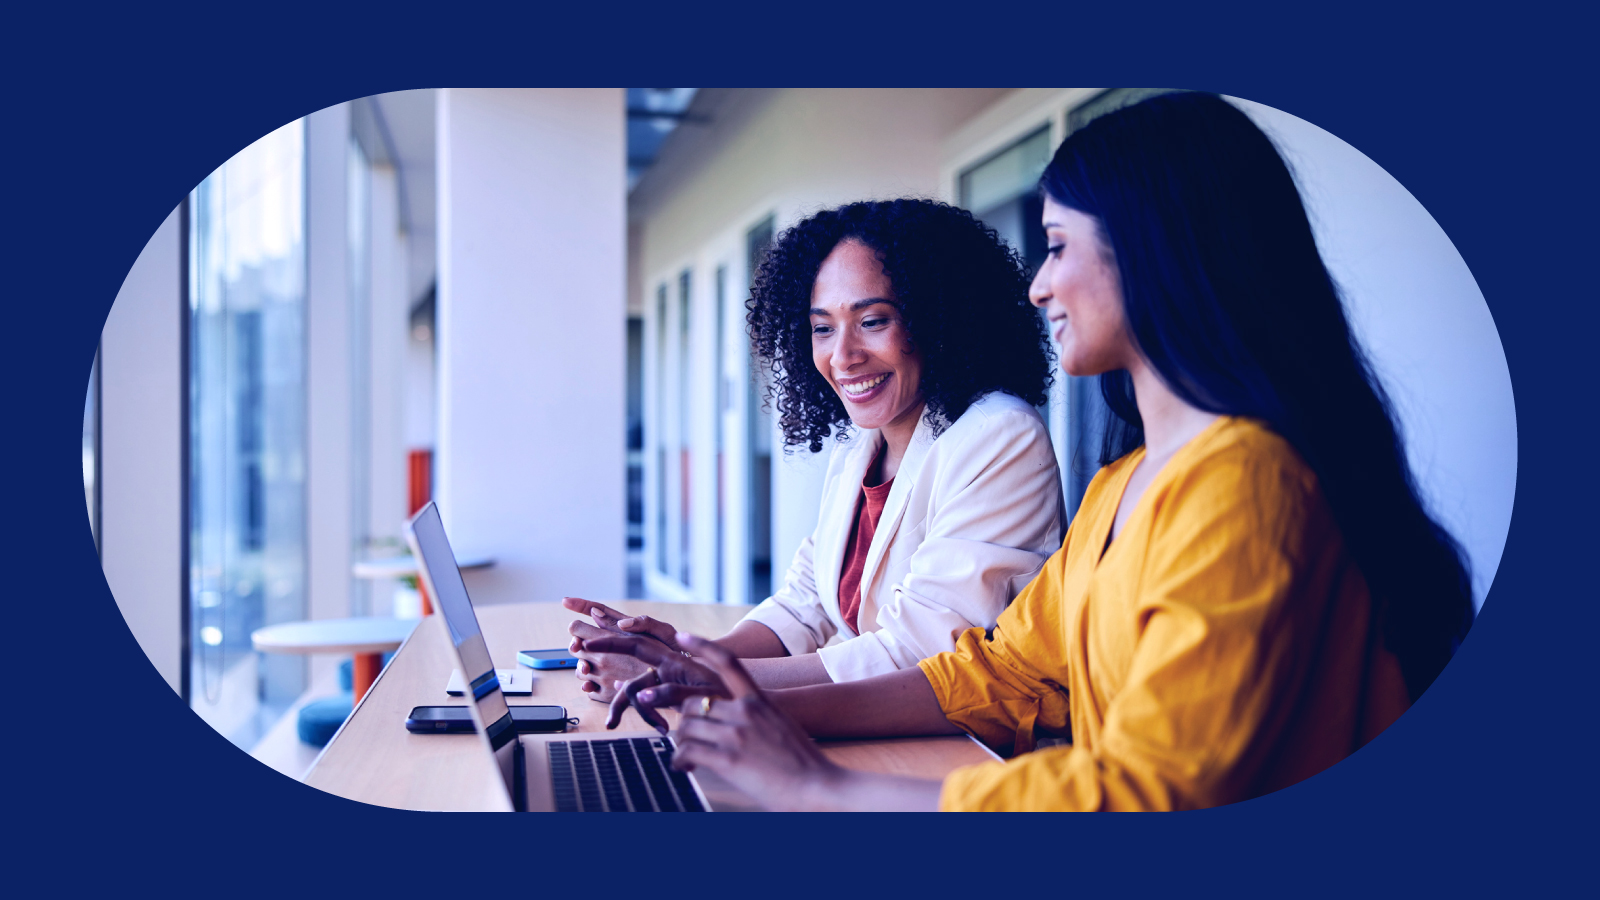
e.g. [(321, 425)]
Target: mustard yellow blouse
[(1220, 649)]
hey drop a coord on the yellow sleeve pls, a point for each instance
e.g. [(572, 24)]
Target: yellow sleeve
[(1198, 709), (991, 686)]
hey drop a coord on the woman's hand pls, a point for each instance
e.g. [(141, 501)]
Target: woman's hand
[(752, 743), (743, 737), (668, 678), (611, 620), (598, 672)]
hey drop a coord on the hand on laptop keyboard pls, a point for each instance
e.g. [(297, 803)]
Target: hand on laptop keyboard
[(752, 743), (739, 734), (671, 679)]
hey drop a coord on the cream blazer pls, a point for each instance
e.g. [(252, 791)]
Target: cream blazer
[(971, 518)]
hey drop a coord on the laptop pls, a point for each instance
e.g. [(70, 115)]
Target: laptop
[(609, 772)]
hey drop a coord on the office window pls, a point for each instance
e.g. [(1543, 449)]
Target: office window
[(685, 453), (718, 355), (758, 441), (1001, 190), (1107, 101), (1086, 409), (662, 542), (247, 461)]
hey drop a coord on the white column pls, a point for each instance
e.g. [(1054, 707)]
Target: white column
[(390, 339), (141, 514), (532, 341)]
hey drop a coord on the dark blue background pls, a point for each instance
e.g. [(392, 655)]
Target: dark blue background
[(110, 118)]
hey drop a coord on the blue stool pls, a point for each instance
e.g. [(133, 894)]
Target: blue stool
[(320, 718)]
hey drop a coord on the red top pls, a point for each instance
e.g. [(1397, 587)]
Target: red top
[(869, 509)]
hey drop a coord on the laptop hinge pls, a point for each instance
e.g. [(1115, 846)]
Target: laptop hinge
[(519, 779)]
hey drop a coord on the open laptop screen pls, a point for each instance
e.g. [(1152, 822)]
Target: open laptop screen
[(489, 710)]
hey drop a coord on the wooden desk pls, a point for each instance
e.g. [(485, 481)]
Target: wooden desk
[(374, 759)]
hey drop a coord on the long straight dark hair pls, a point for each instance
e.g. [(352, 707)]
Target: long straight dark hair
[(1227, 296)]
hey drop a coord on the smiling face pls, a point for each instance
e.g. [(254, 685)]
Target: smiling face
[(1081, 293), (861, 344)]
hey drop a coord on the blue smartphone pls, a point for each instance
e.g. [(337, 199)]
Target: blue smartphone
[(547, 659)]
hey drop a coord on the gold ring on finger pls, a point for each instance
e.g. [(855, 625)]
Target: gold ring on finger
[(705, 706)]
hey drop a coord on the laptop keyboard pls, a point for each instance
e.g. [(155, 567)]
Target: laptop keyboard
[(624, 775)]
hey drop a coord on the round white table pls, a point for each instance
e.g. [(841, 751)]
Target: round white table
[(406, 567), (367, 639)]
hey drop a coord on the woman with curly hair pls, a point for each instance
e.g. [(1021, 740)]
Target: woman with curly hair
[(903, 329), (1251, 590)]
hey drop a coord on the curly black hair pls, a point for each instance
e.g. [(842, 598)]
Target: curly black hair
[(962, 291)]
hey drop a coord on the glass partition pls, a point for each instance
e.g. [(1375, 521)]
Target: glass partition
[(247, 473), (1001, 191), (685, 432), (659, 425), (723, 401)]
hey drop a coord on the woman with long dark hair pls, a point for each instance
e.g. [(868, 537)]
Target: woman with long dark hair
[(1252, 588), (902, 329)]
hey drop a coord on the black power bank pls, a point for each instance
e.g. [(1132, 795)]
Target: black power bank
[(458, 719)]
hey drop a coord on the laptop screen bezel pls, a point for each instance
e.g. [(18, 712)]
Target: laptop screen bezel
[(491, 714)]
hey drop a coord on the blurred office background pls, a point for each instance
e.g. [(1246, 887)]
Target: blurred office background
[(528, 305)]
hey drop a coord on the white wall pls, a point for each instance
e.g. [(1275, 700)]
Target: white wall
[(531, 342), (1414, 303), (799, 151), (141, 450)]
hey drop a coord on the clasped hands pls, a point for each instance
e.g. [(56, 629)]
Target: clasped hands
[(598, 673), (639, 661)]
